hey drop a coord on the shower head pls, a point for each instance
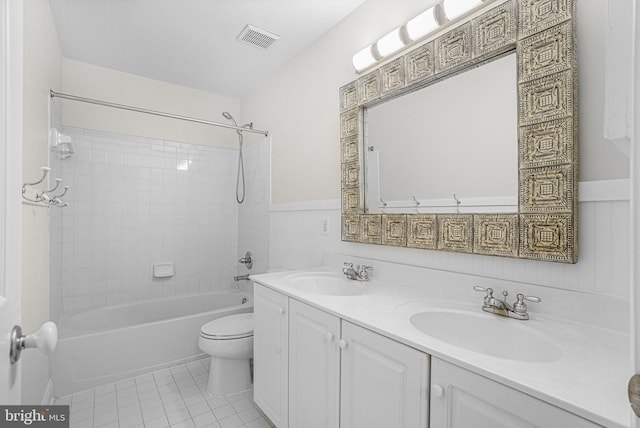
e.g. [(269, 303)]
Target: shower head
[(228, 116)]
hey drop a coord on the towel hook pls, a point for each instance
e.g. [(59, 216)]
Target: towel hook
[(416, 203), (45, 171), (457, 203), (58, 181), (45, 198)]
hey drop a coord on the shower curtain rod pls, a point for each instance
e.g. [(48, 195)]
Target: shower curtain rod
[(153, 112)]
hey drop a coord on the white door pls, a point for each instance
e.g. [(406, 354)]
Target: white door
[(314, 367), (383, 382), (10, 185)]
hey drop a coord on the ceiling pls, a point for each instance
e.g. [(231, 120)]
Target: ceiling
[(192, 42)]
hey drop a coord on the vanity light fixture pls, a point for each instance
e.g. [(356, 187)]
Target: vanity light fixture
[(455, 8), (424, 24), (442, 14), (364, 59), (390, 43)]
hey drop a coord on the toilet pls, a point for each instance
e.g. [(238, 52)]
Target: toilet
[(229, 342)]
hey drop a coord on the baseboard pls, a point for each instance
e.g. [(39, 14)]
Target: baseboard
[(48, 398)]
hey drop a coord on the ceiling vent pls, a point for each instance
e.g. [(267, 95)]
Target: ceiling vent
[(258, 37)]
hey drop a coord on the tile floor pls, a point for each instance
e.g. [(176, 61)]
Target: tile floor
[(175, 397)]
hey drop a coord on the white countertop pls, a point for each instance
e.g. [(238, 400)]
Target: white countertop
[(589, 379)]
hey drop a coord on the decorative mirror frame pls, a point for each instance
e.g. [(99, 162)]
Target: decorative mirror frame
[(542, 33)]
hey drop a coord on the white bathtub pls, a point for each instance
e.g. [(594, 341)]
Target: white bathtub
[(104, 345)]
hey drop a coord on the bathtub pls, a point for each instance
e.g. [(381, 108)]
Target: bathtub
[(105, 345)]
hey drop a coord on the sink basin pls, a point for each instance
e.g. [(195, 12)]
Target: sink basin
[(487, 334), (330, 284)]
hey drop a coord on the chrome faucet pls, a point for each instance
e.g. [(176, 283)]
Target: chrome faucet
[(360, 273), (501, 307)]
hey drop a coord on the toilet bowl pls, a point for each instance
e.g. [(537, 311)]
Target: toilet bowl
[(229, 342)]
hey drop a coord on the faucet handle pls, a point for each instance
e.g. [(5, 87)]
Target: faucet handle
[(363, 272), (520, 307), (489, 291), (347, 264), (533, 299), (489, 297)]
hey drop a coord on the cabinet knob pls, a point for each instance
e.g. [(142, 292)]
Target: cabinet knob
[(342, 343), (437, 391), (328, 336), (281, 311)]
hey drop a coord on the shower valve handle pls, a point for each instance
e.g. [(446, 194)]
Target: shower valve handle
[(247, 260)]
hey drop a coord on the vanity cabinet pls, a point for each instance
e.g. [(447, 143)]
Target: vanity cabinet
[(462, 399), (314, 367), (383, 382), (314, 370), (271, 354)]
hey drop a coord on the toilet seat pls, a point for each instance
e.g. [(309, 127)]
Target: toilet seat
[(228, 328)]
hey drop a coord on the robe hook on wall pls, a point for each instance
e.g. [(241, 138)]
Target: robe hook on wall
[(45, 198)]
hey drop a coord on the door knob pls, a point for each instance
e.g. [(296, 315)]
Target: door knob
[(342, 343), (44, 339), (328, 336)]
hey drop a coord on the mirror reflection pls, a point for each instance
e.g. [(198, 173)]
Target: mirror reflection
[(457, 136)]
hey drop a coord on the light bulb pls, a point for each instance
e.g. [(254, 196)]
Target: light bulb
[(389, 44), (422, 24), (364, 59), (456, 8)]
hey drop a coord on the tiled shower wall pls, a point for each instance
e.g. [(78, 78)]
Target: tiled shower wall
[(134, 202)]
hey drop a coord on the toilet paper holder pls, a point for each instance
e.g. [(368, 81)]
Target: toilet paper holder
[(45, 339)]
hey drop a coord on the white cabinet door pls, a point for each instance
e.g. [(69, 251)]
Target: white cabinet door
[(383, 382), (314, 367), (462, 399), (270, 354)]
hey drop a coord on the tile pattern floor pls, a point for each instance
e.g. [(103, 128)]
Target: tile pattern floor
[(175, 397)]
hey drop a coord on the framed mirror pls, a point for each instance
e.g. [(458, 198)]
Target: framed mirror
[(431, 159)]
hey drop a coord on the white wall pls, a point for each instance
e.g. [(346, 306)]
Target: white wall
[(90, 81), (300, 105), (42, 71)]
